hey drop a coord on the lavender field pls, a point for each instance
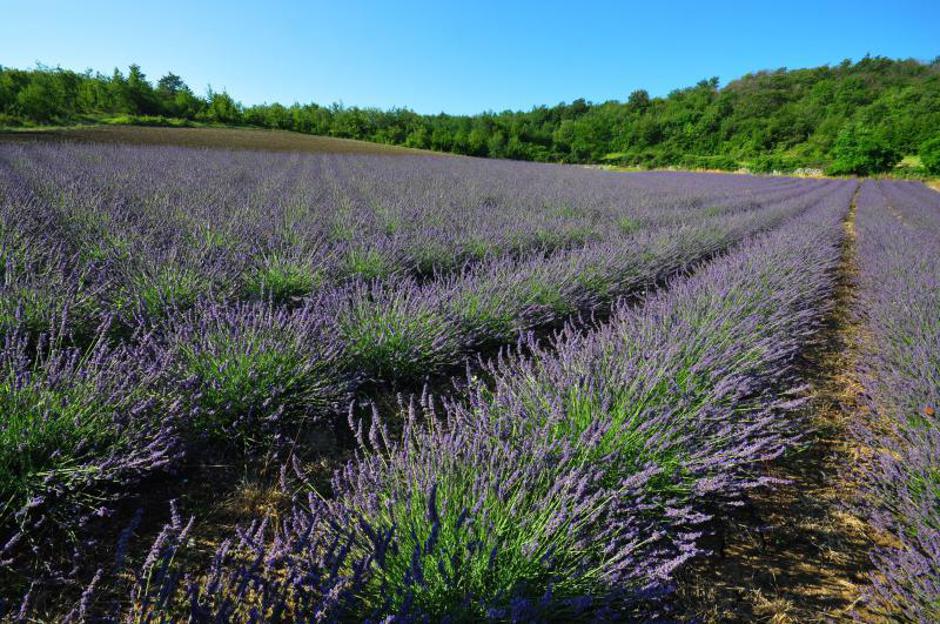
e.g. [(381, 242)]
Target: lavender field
[(245, 386)]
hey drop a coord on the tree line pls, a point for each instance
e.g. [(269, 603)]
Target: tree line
[(860, 117)]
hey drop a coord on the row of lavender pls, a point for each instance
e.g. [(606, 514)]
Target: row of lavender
[(84, 427), (399, 327), (124, 230), (572, 487), (397, 210), (899, 264), (435, 322)]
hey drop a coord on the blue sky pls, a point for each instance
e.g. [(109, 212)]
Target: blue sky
[(457, 57)]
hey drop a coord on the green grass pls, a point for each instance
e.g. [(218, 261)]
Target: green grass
[(149, 120)]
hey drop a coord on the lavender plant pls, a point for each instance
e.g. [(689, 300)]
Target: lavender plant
[(248, 294), (397, 331), (899, 265), (246, 370), (79, 429)]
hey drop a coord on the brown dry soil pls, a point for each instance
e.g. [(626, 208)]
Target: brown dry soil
[(795, 554), (229, 138)]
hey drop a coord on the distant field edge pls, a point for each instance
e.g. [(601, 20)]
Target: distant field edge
[(267, 139), (207, 136)]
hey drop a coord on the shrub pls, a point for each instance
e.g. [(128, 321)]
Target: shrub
[(79, 429), (168, 287), (429, 256), (770, 163), (627, 225), (366, 264), (722, 163), (44, 294), (146, 120), (930, 156), (11, 121), (476, 248), (492, 319), (860, 151)]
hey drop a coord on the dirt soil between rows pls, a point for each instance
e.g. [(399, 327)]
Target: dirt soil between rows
[(795, 553)]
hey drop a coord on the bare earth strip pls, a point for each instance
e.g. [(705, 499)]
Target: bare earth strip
[(795, 554)]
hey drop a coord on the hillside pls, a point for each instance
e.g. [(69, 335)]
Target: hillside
[(861, 117)]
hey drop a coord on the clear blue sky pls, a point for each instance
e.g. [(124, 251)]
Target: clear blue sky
[(457, 57)]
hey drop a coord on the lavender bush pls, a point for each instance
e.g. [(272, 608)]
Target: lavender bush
[(243, 370), (79, 430)]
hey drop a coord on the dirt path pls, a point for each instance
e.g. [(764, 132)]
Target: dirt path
[(794, 554)]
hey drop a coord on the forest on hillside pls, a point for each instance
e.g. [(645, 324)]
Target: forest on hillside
[(856, 117)]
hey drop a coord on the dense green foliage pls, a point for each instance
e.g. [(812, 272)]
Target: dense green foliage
[(859, 150), (930, 156), (854, 117)]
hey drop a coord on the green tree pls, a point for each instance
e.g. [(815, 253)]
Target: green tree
[(222, 108), (170, 85), (858, 150), (119, 100), (37, 101), (857, 117), (168, 93), (639, 99), (930, 155), (139, 92), (418, 138)]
